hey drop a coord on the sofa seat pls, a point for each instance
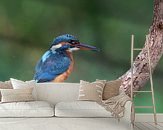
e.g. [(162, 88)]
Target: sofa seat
[(26, 109), (80, 109)]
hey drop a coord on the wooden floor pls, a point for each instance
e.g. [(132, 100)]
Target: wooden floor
[(148, 126)]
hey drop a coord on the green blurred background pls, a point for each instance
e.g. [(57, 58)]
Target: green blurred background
[(27, 28)]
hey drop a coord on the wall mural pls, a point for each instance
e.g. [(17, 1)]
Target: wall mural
[(27, 26)]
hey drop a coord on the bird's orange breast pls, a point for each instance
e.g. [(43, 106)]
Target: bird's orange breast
[(66, 74)]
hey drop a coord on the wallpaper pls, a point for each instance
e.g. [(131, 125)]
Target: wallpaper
[(28, 28)]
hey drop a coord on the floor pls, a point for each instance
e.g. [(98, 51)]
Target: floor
[(148, 126), (73, 124)]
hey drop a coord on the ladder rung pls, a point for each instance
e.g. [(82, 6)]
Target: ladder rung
[(143, 91), (137, 49), (144, 107)]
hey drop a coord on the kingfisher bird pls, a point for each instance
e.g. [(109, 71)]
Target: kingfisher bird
[(57, 62)]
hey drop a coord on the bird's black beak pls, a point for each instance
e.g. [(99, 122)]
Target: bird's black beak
[(82, 46)]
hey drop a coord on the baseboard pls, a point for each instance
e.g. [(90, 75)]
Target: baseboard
[(148, 117)]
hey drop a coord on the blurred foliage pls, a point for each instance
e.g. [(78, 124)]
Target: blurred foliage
[(27, 28)]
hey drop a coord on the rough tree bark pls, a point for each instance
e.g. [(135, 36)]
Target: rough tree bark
[(155, 42)]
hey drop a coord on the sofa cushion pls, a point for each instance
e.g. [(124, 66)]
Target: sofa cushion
[(80, 109), (16, 95), (18, 84), (91, 91), (5, 85), (26, 109), (111, 89)]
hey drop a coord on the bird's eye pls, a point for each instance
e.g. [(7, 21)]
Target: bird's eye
[(68, 35), (74, 42)]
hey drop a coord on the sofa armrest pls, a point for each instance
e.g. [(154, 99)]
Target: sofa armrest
[(127, 112)]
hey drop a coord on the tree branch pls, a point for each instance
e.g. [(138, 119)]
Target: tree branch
[(155, 42)]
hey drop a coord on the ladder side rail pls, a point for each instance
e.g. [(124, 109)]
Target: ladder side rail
[(151, 80), (132, 57)]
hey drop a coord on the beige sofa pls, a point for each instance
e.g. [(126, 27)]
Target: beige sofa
[(69, 114)]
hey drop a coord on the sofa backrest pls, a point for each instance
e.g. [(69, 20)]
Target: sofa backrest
[(57, 92)]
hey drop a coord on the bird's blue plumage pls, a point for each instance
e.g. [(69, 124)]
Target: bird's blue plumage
[(52, 64)]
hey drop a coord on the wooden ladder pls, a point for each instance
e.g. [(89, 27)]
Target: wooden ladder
[(151, 82)]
